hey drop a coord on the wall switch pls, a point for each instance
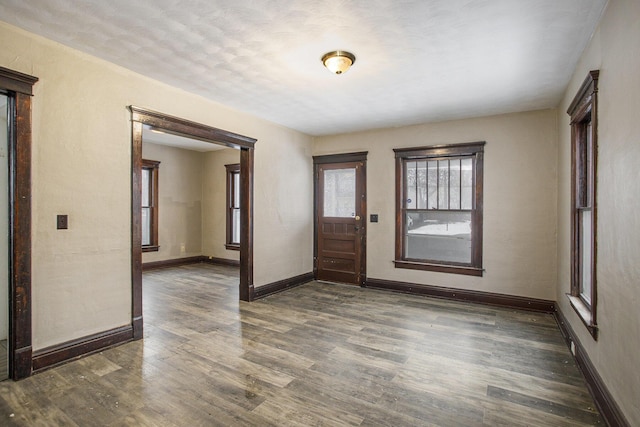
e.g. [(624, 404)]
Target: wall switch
[(62, 222), (373, 218)]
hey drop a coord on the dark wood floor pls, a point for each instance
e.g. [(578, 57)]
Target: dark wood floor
[(319, 354)]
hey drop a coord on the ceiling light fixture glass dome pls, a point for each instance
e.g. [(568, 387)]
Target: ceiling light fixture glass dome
[(338, 61)]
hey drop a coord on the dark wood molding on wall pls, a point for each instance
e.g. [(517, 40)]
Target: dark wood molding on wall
[(282, 285), (136, 229), (500, 300), (360, 156), (62, 353), (182, 127), (15, 81), (19, 89), (176, 262), (246, 224), (605, 402), (221, 261)]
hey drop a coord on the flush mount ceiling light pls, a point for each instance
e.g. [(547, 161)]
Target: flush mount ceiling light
[(338, 61)]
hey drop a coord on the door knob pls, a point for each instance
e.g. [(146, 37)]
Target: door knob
[(357, 217)]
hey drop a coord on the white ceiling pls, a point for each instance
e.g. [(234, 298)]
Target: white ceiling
[(417, 60)]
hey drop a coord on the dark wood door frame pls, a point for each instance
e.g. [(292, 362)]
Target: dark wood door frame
[(338, 158), (19, 88), (170, 124)]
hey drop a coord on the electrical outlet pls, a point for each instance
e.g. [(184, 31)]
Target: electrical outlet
[(373, 218), (62, 222)]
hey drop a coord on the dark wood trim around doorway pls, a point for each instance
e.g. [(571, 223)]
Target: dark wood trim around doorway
[(19, 88), (175, 125)]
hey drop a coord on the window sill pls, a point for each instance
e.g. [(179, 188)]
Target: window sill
[(584, 313), (151, 248), (453, 269), (232, 246)]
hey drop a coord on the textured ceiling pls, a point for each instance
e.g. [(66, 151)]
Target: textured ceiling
[(417, 60)]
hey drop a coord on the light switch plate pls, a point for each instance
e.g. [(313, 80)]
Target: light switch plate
[(62, 222)]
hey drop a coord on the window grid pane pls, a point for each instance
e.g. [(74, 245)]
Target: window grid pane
[(146, 226), (410, 173), (466, 183), (443, 184), (454, 184), (235, 235), (236, 190), (443, 236), (432, 202), (146, 187), (585, 230)]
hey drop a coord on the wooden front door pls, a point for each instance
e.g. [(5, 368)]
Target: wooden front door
[(340, 253)]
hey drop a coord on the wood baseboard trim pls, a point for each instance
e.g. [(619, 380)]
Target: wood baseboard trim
[(22, 363), (176, 262), (281, 285), (74, 349), (500, 300), (606, 404), (221, 261)]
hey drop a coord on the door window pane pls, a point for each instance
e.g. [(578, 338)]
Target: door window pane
[(340, 193)]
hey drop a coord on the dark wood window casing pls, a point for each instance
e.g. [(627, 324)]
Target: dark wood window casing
[(150, 195), (584, 154), (431, 196), (233, 207)]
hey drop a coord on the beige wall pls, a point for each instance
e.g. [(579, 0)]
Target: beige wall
[(180, 201), (81, 166), (519, 199), (615, 51), (214, 220)]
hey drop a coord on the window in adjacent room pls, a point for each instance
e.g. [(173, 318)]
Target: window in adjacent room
[(439, 208), (150, 205), (584, 149), (233, 207)]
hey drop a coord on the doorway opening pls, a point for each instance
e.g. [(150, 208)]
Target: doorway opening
[(173, 125)]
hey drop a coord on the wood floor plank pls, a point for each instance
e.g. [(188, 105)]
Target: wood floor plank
[(319, 354)]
